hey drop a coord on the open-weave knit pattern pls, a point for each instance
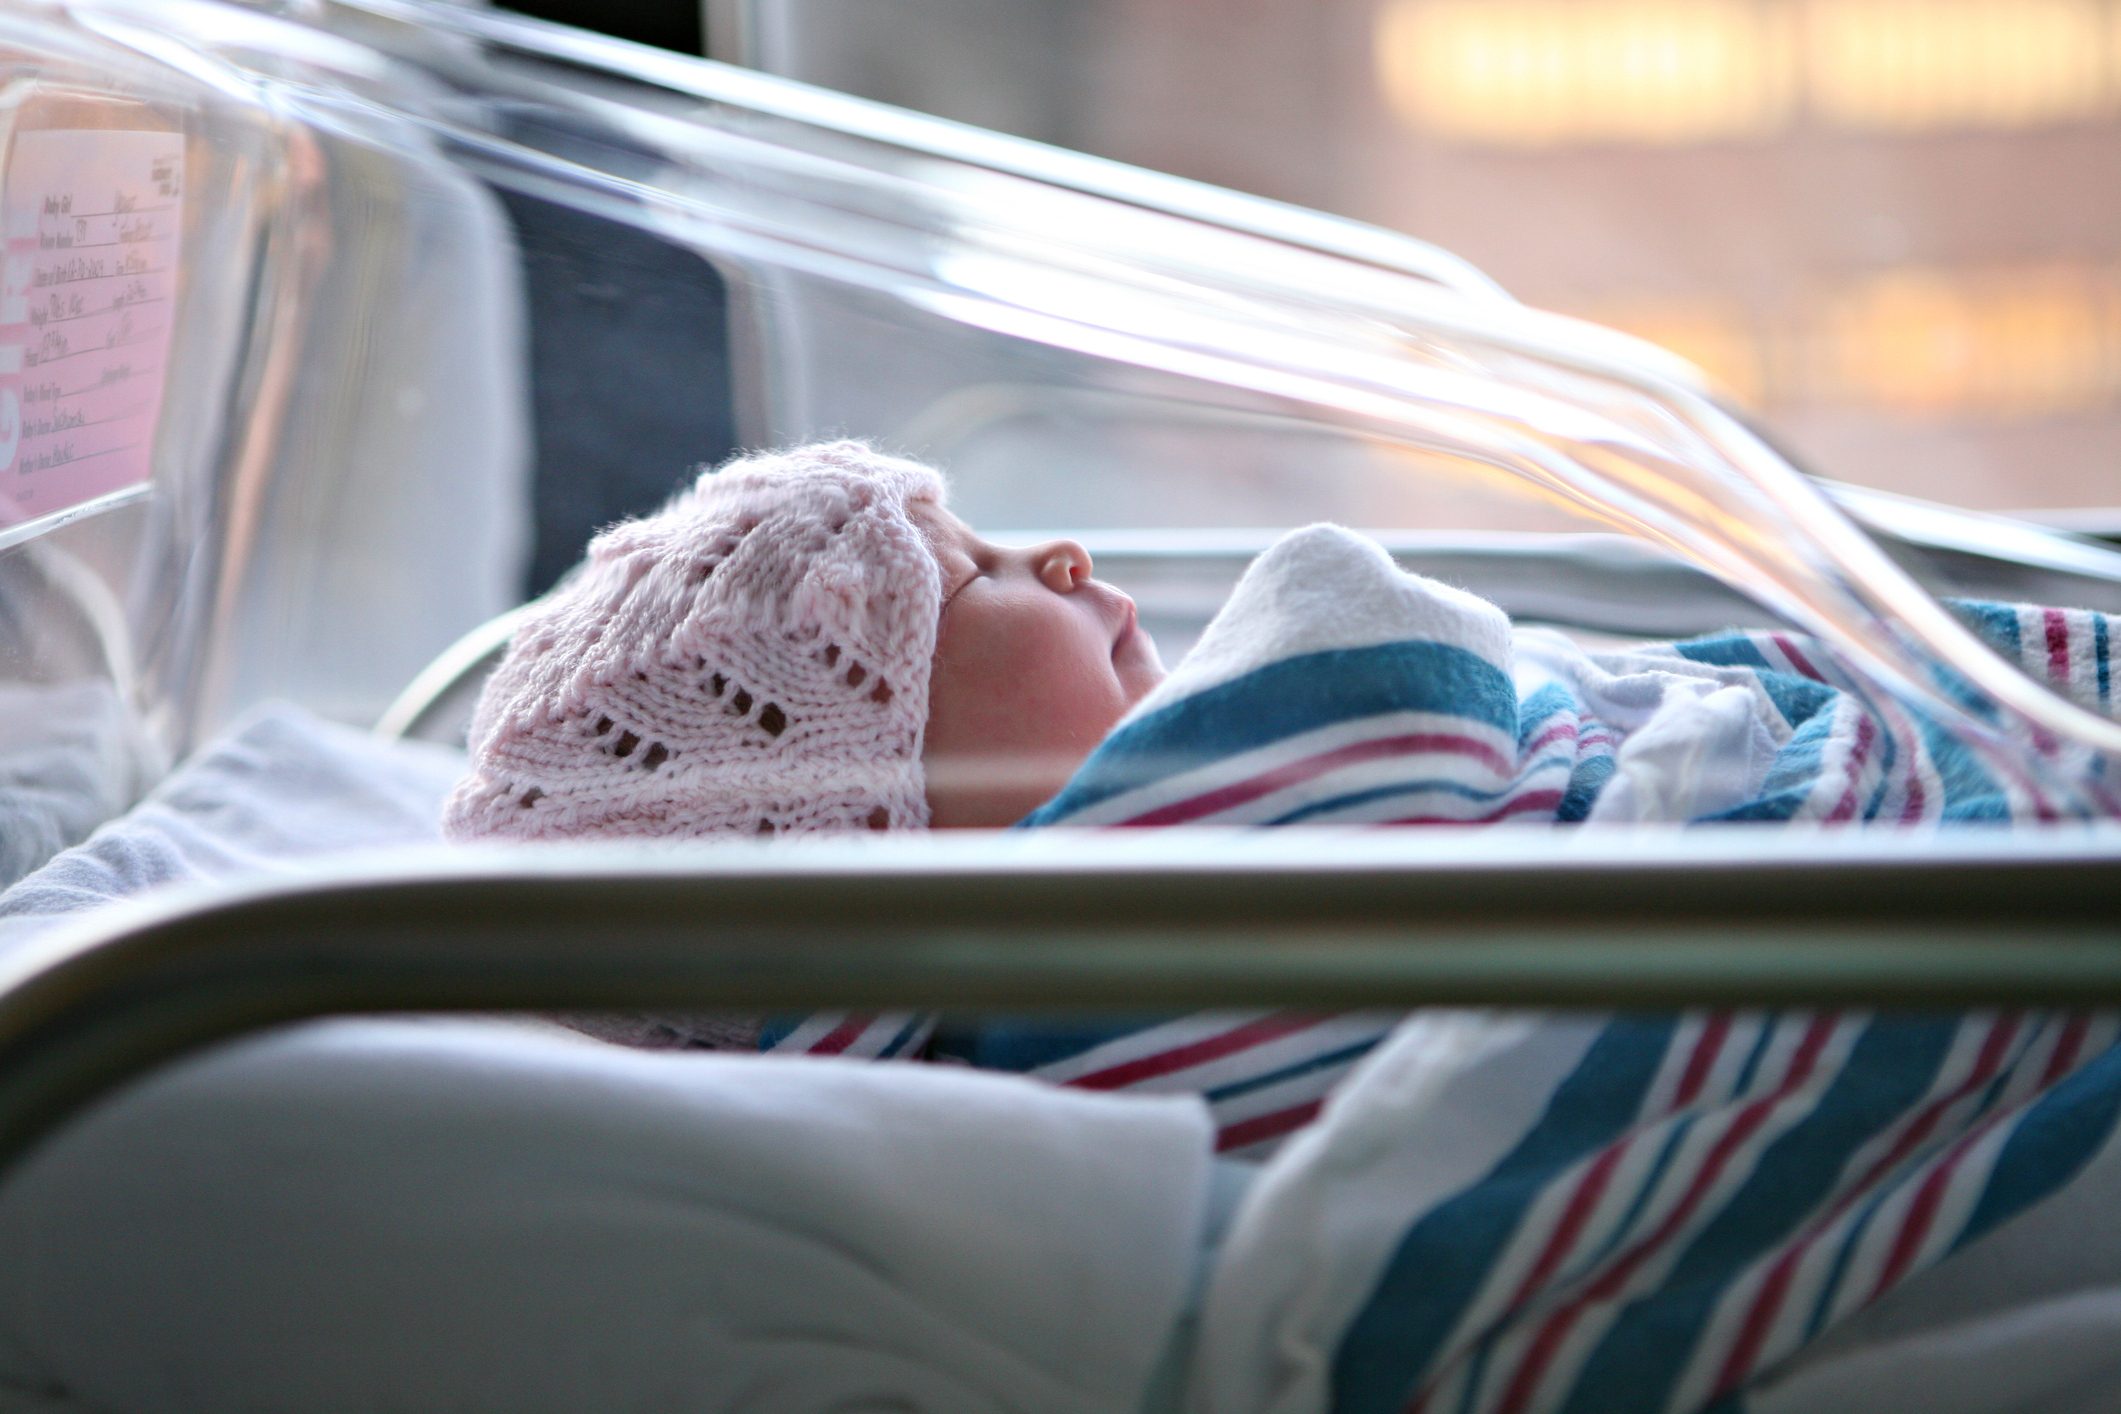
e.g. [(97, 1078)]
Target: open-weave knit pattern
[(751, 659)]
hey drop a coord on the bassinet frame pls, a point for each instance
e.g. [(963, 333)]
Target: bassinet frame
[(1501, 917)]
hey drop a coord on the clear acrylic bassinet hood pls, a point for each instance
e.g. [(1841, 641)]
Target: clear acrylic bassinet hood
[(937, 232)]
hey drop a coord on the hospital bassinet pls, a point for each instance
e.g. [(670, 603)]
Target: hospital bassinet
[(414, 297)]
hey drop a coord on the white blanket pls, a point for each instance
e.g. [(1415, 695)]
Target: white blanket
[(383, 1215), (473, 1214), (279, 789), (468, 1215)]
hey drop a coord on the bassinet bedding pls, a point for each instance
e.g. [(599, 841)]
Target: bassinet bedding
[(478, 1214), (280, 787), (1494, 1212), (1509, 1213), (68, 762), (383, 1215), (1334, 689)]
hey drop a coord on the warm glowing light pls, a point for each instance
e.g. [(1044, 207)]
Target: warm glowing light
[(1530, 72), (1715, 337), (1906, 341), (2006, 343), (2015, 343), (1543, 72), (1918, 65)]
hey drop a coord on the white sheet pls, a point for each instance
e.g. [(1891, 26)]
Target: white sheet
[(455, 1214), (69, 759), (280, 788), (2027, 1319), (382, 1215), (469, 1214)]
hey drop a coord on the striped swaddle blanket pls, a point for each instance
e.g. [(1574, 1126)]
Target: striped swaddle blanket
[(1569, 1213), (1334, 689), (1520, 1213)]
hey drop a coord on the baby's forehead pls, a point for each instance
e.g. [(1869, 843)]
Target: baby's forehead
[(947, 536)]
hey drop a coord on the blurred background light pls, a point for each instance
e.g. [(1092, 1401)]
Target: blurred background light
[(1891, 226), (1539, 72), (1550, 72)]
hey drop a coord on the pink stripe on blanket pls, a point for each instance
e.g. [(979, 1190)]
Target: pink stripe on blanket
[(1260, 1128), (1768, 1301), (843, 1035), (1524, 804), (1546, 1344), (1563, 731), (1917, 797), (2057, 645), (1797, 660), (1310, 767), (2064, 1058), (1859, 756), (1708, 1045), (1256, 1033)]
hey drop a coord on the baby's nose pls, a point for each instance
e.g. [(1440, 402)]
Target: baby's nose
[(1063, 565)]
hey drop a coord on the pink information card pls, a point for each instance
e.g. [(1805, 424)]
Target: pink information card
[(93, 219)]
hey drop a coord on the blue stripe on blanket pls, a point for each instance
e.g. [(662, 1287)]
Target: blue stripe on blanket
[(1997, 623), (1589, 778), (1554, 705), (1341, 1059), (1030, 1043), (1443, 1260), (1282, 699), (1972, 796), (2102, 658), (908, 1037), (2057, 1137), (1892, 1065), (1312, 810)]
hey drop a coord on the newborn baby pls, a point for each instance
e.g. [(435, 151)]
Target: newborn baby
[(803, 641), (808, 641)]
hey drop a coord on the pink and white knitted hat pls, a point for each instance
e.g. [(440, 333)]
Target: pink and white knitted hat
[(751, 659)]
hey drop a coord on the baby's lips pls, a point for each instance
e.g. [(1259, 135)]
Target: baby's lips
[(1129, 624)]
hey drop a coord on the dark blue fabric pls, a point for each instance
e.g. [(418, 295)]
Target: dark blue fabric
[(1444, 1257), (1288, 696)]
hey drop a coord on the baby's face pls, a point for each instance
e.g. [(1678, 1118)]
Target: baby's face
[(1034, 662)]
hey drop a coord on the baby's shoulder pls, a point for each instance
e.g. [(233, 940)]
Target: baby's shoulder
[(1325, 587)]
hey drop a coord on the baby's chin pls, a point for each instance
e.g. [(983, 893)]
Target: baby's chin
[(1138, 666)]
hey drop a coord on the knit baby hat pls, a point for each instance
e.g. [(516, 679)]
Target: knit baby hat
[(751, 659)]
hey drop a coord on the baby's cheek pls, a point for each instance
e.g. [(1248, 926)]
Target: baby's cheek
[(1082, 705), (1004, 701), (1038, 702), (1026, 674)]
